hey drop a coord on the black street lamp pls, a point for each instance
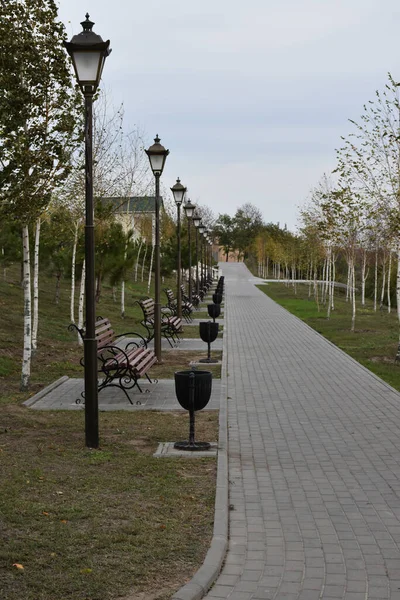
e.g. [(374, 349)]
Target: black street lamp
[(88, 53), (178, 190), (205, 237), (189, 210), (157, 156), (211, 257), (201, 232), (197, 223)]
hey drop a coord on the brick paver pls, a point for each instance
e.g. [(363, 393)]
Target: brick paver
[(314, 462)]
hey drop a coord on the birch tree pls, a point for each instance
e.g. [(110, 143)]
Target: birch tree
[(39, 115), (370, 158)]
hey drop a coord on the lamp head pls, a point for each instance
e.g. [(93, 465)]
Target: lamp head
[(88, 53), (189, 209), (178, 190), (196, 220), (157, 156)]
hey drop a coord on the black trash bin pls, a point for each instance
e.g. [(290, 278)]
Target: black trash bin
[(193, 391)]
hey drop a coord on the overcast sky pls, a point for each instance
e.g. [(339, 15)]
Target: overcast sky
[(251, 97)]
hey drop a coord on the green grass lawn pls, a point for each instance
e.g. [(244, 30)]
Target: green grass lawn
[(99, 524), (93, 524), (374, 341)]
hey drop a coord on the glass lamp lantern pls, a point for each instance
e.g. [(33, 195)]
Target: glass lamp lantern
[(196, 220), (189, 209), (88, 53), (157, 156), (178, 190)]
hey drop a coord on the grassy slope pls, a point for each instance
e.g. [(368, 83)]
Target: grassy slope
[(87, 524), (374, 342), (58, 352)]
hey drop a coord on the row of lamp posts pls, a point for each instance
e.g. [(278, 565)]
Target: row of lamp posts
[(88, 53), (179, 191)]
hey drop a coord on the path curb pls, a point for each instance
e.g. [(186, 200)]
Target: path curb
[(46, 390), (203, 579)]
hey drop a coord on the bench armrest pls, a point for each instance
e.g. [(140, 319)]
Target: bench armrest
[(141, 343), (73, 327)]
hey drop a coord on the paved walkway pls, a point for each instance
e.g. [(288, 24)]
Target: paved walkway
[(314, 462)]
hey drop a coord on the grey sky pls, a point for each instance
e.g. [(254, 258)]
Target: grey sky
[(251, 97)]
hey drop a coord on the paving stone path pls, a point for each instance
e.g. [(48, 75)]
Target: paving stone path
[(314, 462)]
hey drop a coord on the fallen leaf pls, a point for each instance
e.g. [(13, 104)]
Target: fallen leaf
[(85, 571), (60, 493), (163, 526), (63, 521), (46, 514), (19, 566)]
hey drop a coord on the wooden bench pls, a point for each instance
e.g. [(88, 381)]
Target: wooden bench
[(172, 304), (119, 366), (195, 298), (171, 326)]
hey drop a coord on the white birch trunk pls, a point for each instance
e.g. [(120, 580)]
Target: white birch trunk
[(389, 304), (27, 351), (35, 323), (383, 282), (328, 283), (363, 278), (316, 289), (328, 280), (323, 282), (348, 281), (353, 296), (123, 287), (81, 301), (376, 279), (398, 285), (398, 298), (123, 299), (137, 259), (144, 261), (73, 267), (333, 279), (150, 269)]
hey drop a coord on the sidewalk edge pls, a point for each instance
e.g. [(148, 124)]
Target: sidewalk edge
[(203, 579), (45, 391)]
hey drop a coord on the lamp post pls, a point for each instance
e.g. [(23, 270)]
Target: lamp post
[(205, 236), (201, 232), (88, 53), (197, 223), (210, 257), (157, 156), (178, 190), (189, 210)]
